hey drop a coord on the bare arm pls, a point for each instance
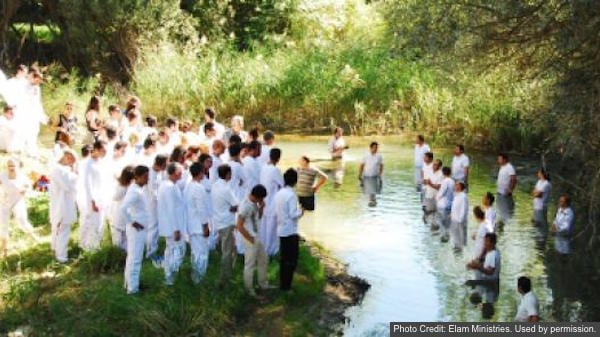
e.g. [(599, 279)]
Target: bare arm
[(242, 230)]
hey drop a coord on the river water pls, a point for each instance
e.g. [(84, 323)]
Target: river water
[(413, 276)]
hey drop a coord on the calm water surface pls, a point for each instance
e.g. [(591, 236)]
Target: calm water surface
[(413, 276)]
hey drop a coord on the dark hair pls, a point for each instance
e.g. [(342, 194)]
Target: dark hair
[(439, 162), (461, 147), (149, 142), (209, 126), (259, 191), (275, 155), (305, 158), (446, 171), (492, 237), (127, 175), (336, 129), (429, 155), (235, 139), (567, 199), (544, 173), (253, 134), (196, 169), (290, 177), (421, 138), (8, 108), (140, 170), (268, 135), (235, 149), (151, 121), (94, 104), (524, 283), (223, 171), (98, 145), (120, 145), (172, 168), (204, 157), (503, 156), (85, 150), (171, 121), (254, 145), (160, 160), (113, 107), (111, 133), (210, 112), (478, 213), (462, 185), (178, 154), (374, 144), (490, 197)]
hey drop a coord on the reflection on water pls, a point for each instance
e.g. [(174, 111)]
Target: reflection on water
[(414, 276)]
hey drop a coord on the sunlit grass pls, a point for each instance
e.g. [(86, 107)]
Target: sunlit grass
[(87, 296)]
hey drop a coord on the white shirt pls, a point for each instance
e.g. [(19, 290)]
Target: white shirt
[(419, 153), (134, 207), (146, 159), (62, 190), (336, 143), (265, 154), (271, 179), (13, 189), (490, 216), (460, 208), (287, 212), (213, 172), (171, 216), (249, 212), (222, 200), (98, 182), (527, 307), (504, 174), (238, 180), (372, 164), (251, 168), (459, 164), (483, 228), (543, 186), (564, 220), (492, 260), (196, 203), (436, 178), (445, 194), (427, 170)]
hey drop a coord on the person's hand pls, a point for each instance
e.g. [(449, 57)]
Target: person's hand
[(177, 235), (260, 205), (95, 208), (233, 209), (315, 189), (205, 230)]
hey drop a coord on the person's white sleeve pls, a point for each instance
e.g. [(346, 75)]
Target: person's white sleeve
[(467, 162), (198, 199), (293, 211), (126, 206), (531, 308), (567, 219), (490, 260)]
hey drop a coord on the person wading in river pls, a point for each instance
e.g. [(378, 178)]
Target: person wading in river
[(506, 183)]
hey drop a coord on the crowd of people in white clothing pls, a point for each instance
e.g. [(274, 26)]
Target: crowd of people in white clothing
[(221, 188)]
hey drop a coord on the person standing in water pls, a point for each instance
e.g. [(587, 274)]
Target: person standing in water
[(420, 149), (507, 181), (563, 225), (337, 146), (370, 173)]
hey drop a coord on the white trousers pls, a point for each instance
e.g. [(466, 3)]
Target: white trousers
[(19, 211), (118, 237), (60, 241), (174, 254), (135, 254), (91, 230), (199, 245), (255, 258), (151, 239), (267, 234), (458, 233)]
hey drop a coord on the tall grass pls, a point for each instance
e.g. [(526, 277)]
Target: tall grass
[(336, 66)]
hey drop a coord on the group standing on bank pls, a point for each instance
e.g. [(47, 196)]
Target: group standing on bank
[(221, 188)]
